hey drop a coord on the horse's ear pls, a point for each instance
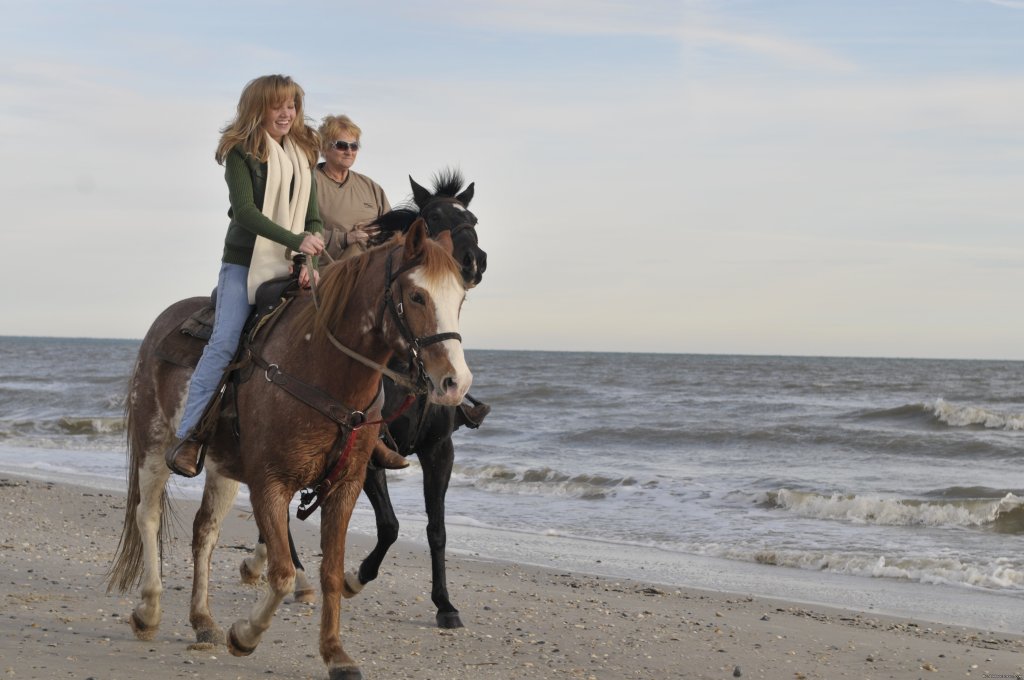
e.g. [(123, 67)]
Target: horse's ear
[(466, 196), (415, 240), (444, 239), (419, 194)]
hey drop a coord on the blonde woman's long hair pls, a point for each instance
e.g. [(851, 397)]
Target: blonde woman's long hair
[(246, 130)]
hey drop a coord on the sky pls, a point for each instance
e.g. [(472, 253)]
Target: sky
[(838, 178)]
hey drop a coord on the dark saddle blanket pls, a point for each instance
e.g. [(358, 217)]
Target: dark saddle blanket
[(184, 345)]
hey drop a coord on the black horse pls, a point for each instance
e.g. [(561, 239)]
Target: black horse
[(424, 429)]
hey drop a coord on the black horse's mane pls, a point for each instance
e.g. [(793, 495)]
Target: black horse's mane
[(447, 183), (397, 220)]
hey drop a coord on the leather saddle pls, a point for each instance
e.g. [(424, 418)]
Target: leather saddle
[(184, 345)]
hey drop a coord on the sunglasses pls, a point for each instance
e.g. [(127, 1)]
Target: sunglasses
[(345, 146)]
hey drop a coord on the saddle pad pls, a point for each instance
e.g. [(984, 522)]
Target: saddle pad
[(184, 345)]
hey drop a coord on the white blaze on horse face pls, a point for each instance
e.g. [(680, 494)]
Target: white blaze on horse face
[(451, 378)]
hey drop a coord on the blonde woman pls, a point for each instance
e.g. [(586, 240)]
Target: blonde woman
[(268, 153), (348, 200)]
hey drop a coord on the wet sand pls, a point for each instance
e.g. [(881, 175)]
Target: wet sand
[(57, 620)]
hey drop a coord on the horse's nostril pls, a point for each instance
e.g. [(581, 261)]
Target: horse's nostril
[(448, 384)]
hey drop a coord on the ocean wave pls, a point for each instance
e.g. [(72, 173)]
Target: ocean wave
[(1000, 574), (966, 416), (63, 426), (1002, 515), (541, 481), (941, 412)]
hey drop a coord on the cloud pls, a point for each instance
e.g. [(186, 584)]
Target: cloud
[(692, 25)]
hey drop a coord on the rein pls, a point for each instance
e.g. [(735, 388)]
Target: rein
[(398, 378)]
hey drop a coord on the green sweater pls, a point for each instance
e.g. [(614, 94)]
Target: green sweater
[(247, 184)]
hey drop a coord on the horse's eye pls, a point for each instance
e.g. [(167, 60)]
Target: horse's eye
[(417, 297)]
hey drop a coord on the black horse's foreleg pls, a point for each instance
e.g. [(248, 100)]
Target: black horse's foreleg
[(376, 489), (291, 546), (437, 462)]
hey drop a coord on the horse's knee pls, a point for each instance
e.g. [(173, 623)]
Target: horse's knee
[(387, 534), (281, 581), (331, 583), (437, 537)]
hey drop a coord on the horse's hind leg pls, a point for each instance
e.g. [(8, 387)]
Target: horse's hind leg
[(218, 496), (252, 568), (153, 474), (271, 510), (304, 591)]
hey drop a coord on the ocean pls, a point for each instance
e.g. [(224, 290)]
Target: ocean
[(885, 485)]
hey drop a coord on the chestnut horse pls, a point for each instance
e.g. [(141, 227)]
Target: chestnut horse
[(424, 429), (300, 427)]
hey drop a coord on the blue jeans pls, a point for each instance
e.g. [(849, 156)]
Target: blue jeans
[(233, 309)]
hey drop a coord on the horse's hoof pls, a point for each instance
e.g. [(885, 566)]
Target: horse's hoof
[(351, 586), (141, 630), (249, 577), (235, 647), (210, 636), (449, 620), (307, 596), (344, 673)]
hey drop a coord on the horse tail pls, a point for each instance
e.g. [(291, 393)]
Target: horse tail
[(126, 571)]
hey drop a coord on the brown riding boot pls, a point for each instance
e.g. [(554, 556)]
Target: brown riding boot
[(183, 457), (386, 458), (475, 414)]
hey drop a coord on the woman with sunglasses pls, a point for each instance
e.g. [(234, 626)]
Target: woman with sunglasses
[(348, 200), (268, 153)]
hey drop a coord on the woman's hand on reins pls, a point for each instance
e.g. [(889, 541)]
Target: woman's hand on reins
[(362, 233), (312, 244)]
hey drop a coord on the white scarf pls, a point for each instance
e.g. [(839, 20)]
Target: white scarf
[(286, 208)]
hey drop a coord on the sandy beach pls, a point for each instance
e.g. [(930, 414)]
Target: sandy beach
[(57, 621)]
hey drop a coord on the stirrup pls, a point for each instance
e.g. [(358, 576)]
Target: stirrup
[(172, 454)]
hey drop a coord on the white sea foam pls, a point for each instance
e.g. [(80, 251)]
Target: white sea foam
[(878, 510), (542, 481), (999, 574), (965, 416)]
